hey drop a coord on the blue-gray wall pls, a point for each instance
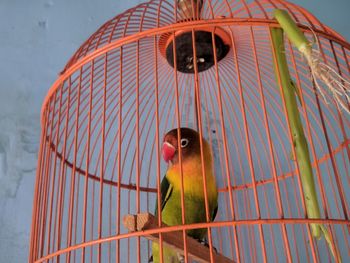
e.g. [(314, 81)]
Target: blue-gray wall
[(37, 38)]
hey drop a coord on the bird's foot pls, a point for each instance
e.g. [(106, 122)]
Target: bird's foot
[(204, 242), (181, 258)]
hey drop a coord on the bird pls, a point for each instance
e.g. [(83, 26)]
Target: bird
[(192, 186)]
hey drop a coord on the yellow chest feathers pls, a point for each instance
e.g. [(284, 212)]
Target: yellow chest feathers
[(193, 177)]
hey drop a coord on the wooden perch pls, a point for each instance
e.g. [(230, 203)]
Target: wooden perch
[(196, 250)]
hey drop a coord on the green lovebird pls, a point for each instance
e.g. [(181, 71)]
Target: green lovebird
[(193, 187)]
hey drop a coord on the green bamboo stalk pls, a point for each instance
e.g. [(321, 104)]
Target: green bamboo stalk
[(292, 31), (299, 140)]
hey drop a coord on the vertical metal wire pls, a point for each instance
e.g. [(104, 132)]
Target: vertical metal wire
[(137, 135), (33, 244), (178, 120), (73, 176), (86, 179), (102, 157), (225, 146), (47, 180), (200, 131), (63, 170), (159, 197), (54, 172), (120, 123)]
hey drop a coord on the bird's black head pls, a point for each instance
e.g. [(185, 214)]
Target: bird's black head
[(189, 143)]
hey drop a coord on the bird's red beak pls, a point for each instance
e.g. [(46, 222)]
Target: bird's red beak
[(168, 151)]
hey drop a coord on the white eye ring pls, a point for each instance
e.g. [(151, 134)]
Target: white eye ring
[(184, 142)]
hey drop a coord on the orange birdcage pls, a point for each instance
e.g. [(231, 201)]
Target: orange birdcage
[(207, 65)]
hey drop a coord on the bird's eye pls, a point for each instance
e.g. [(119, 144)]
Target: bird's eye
[(184, 142)]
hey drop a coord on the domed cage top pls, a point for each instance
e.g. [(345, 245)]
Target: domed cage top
[(133, 80)]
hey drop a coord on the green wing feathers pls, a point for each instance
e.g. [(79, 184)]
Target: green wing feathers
[(166, 190), (215, 212)]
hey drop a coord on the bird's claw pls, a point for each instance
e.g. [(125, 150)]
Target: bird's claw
[(204, 242), (180, 258)]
